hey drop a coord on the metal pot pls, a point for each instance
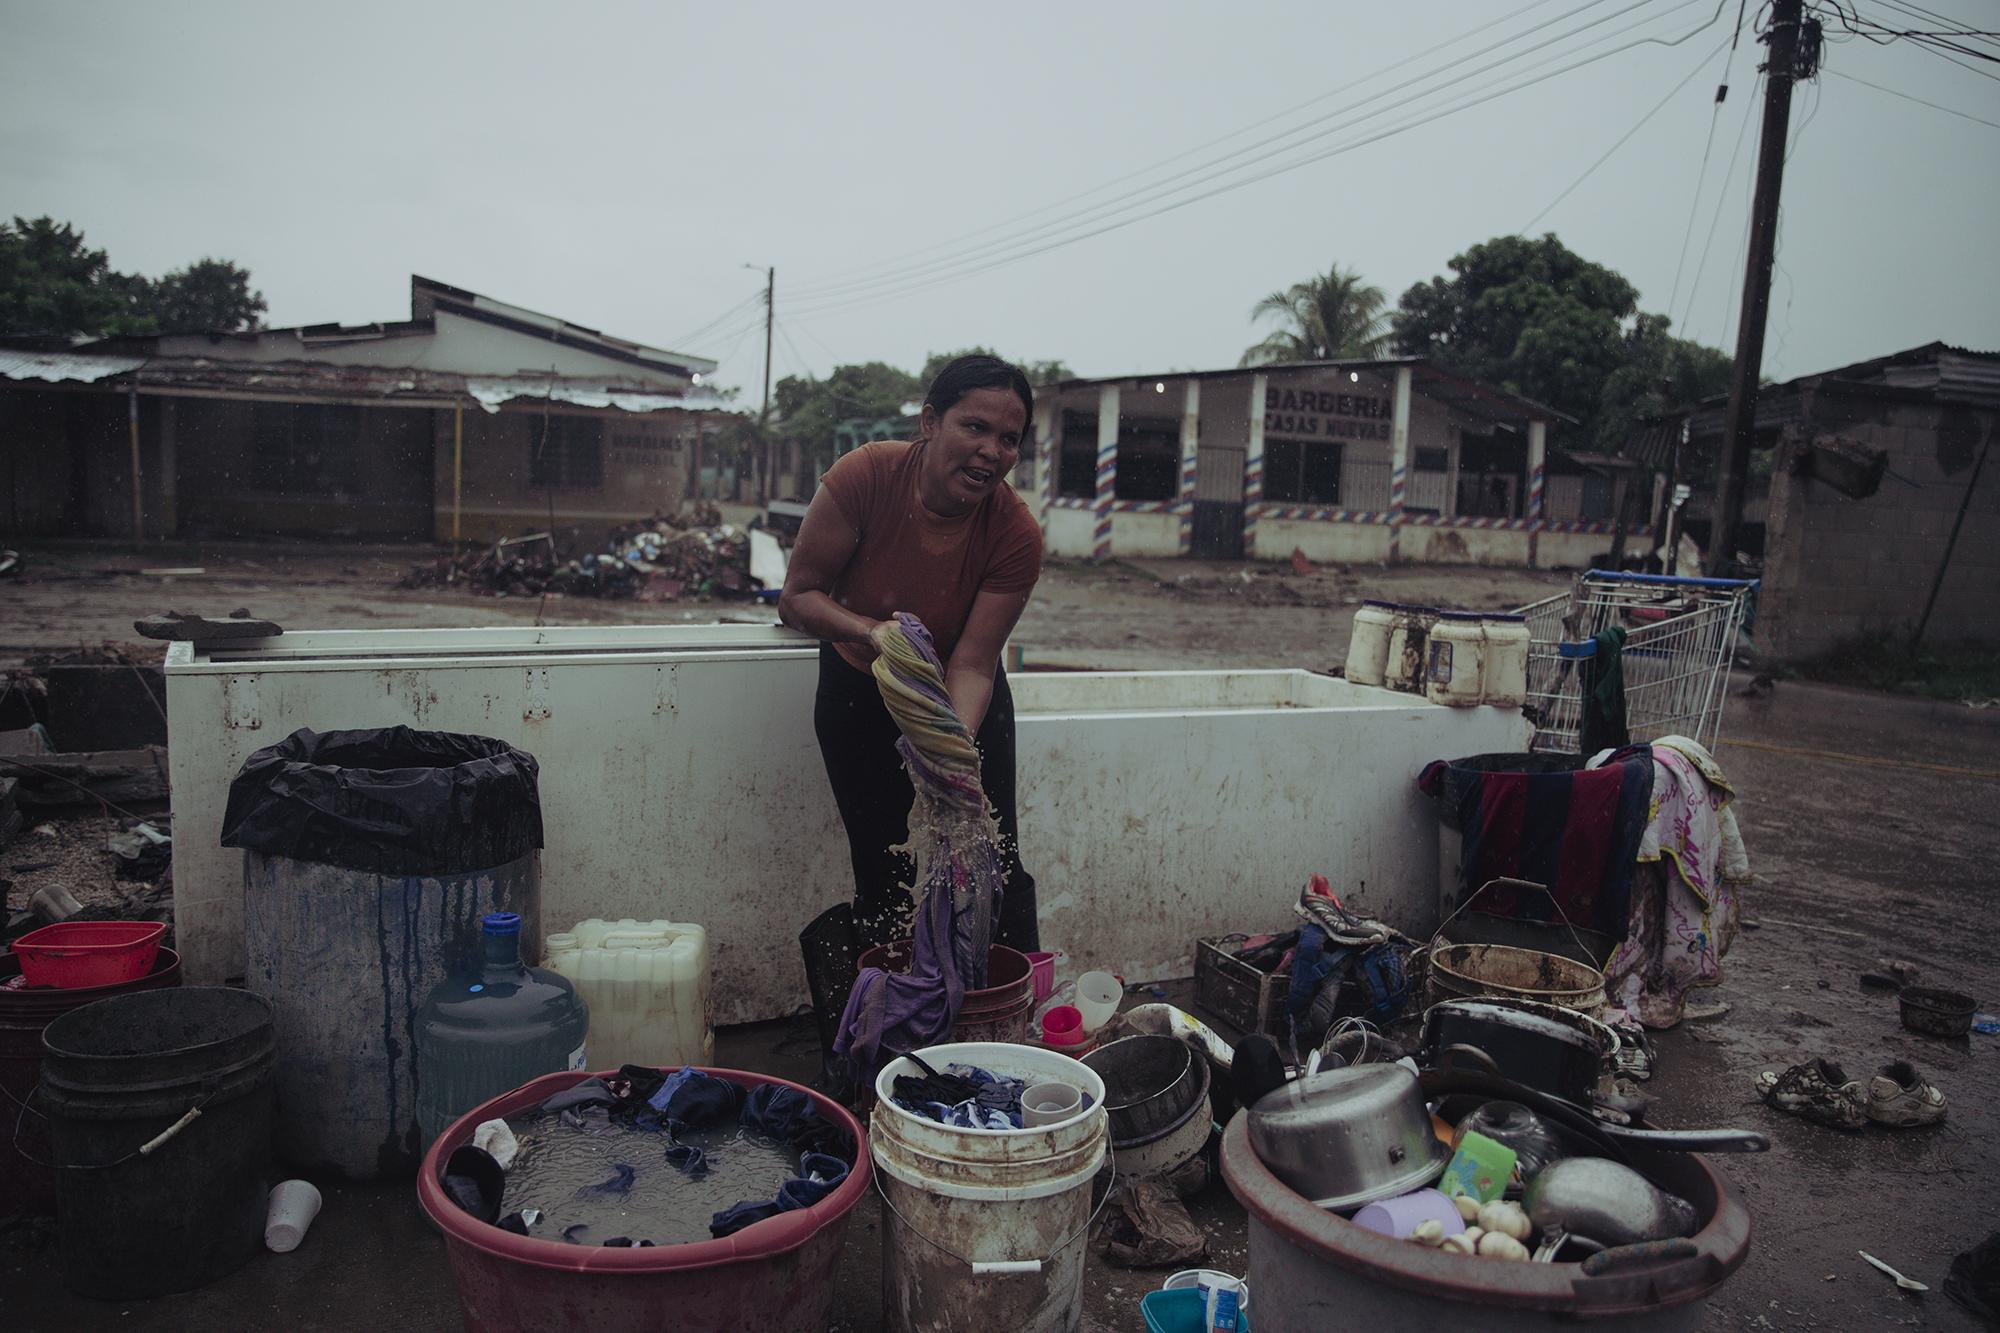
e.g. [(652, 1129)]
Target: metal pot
[(1535, 1048), (1349, 1136), (1150, 1083)]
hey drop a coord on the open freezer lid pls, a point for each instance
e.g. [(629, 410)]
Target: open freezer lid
[(524, 645)]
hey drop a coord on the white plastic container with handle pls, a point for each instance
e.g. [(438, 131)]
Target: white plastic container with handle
[(647, 985)]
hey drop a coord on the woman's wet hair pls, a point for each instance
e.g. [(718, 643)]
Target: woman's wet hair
[(967, 373)]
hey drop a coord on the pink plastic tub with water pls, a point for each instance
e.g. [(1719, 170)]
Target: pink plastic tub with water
[(773, 1276)]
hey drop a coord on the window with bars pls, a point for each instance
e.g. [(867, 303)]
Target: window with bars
[(1302, 471), (566, 453)]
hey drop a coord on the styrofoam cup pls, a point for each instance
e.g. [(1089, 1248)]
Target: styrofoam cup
[(1097, 996), (294, 1204)]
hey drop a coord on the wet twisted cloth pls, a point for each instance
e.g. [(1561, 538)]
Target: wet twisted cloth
[(1691, 865), (956, 841)]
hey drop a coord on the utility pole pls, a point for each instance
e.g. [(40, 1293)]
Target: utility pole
[(1740, 432), (764, 416)]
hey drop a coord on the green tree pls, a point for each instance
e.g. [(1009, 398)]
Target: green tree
[(807, 410), (1332, 316), (1039, 373), (1660, 374), (1528, 315), (53, 284), (210, 295), (1538, 319)]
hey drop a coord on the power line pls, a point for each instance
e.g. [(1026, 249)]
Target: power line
[(839, 277), (1218, 167), (796, 355), (1962, 115), (1932, 16), (1701, 173), (741, 305), (1227, 186), (1721, 201), (831, 359), (1623, 138)]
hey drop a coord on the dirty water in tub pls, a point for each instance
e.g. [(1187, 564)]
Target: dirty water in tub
[(598, 1184)]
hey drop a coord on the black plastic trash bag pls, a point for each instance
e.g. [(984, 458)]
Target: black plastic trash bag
[(387, 801)]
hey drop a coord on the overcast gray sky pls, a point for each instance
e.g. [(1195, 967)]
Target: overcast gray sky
[(617, 164)]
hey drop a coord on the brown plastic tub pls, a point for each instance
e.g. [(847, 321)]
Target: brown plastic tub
[(1313, 1269)]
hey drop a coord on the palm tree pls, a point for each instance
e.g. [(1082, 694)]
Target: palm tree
[(1334, 316)]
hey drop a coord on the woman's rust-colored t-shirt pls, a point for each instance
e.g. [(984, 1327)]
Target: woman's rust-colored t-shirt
[(912, 560)]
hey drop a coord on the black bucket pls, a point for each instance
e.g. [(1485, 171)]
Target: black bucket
[(141, 1211)]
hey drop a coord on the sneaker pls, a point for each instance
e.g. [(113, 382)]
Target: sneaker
[(1899, 1096), (1818, 1090)]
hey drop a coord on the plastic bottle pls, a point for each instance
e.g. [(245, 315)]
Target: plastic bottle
[(1405, 668), (647, 984), (1507, 645), (487, 1032), (1457, 650), (1368, 648)]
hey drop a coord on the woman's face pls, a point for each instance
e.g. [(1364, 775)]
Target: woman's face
[(971, 448)]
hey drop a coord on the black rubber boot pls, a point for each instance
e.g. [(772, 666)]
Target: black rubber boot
[(831, 950)]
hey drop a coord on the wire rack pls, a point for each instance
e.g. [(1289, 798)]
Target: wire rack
[(1680, 641)]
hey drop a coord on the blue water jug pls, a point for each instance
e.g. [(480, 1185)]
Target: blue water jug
[(486, 1033)]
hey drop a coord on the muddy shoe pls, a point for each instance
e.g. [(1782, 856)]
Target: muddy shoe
[(1899, 1097), (1818, 1090)]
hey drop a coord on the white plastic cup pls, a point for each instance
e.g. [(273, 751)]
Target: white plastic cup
[(1097, 996), (1047, 1103), (294, 1204)]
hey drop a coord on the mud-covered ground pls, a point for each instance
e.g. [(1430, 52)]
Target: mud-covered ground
[(1870, 826)]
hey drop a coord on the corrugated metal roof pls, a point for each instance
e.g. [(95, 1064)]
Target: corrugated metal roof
[(58, 367), (491, 393)]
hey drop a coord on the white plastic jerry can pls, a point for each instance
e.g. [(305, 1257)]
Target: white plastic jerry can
[(1508, 643), (1456, 672), (1368, 647), (647, 985)]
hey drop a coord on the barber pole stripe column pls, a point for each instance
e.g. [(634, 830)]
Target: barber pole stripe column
[(1190, 461), (1253, 465), (1399, 462), (1107, 471), (1399, 481), (1538, 450)]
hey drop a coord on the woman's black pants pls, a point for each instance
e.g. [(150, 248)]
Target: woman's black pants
[(857, 739)]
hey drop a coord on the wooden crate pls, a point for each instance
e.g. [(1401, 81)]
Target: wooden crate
[(1236, 992)]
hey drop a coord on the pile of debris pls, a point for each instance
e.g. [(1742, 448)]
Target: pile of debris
[(665, 558)]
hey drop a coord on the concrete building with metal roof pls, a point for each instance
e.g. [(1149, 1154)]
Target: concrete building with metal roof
[(1378, 460), (472, 419)]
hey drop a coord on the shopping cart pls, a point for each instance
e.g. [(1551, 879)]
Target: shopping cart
[(1680, 641)]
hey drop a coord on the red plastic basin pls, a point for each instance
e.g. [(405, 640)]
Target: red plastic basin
[(73, 954), (774, 1276)]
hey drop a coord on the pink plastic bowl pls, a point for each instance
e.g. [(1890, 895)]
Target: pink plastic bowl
[(73, 954)]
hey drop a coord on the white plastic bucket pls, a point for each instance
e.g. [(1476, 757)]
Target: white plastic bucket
[(986, 1228)]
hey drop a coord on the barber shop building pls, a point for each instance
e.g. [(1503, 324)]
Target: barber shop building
[(1382, 460)]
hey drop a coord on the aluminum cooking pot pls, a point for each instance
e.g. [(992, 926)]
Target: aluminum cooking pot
[(1347, 1137), (1560, 1058)]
